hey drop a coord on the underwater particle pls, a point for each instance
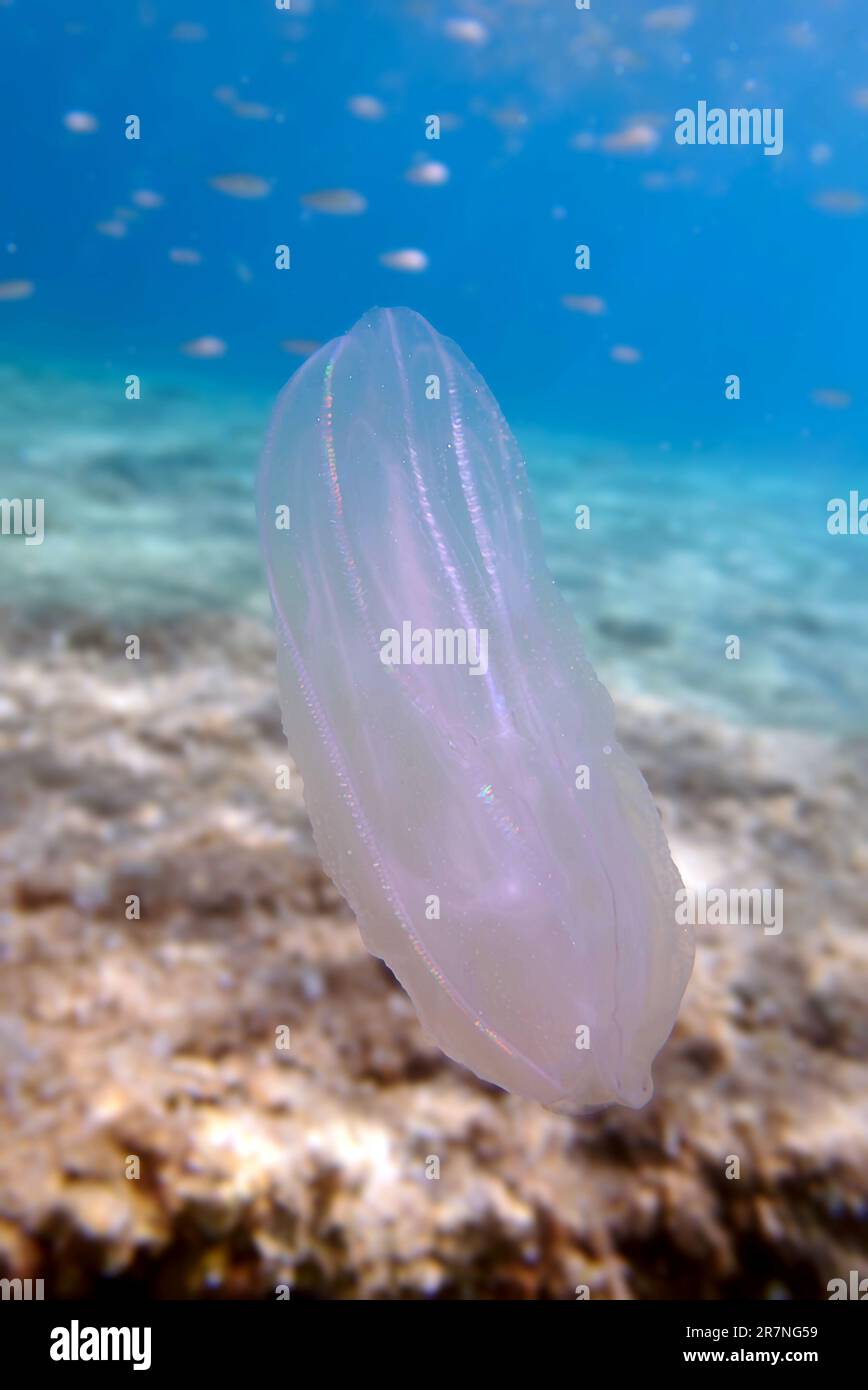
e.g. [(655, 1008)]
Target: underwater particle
[(669, 19), (590, 304), (429, 173), (244, 273), (469, 31), (11, 290), (843, 202), (80, 122), (820, 152), (241, 185), (622, 352), (555, 903), (204, 347), (300, 347), (408, 259), (185, 255), (338, 202), (860, 98), (366, 108), (831, 398), (147, 198), (584, 140), (113, 227), (637, 138)]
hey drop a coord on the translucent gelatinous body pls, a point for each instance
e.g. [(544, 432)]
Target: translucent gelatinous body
[(438, 704)]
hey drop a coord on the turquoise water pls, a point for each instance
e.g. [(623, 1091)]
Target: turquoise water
[(708, 515), (149, 525)]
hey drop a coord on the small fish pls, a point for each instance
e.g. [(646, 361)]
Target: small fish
[(509, 118), (241, 185), (832, 399), (406, 259), (584, 304), (184, 255), (627, 355), (820, 153), (204, 347), (80, 122), (146, 198), (188, 32), (430, 173), (11, 290), (339, 202), (114, 227), (801, 34), (251, 110), (638, 138), (471, 31), (300, 347), (366, 108), (669, 19), (842, 200)]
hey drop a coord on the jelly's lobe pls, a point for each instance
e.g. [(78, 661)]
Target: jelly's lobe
[(465, 787)]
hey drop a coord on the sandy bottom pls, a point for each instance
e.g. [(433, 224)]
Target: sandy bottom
[(156, 1039)]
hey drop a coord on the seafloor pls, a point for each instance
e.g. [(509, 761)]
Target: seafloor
[(155, 1038)]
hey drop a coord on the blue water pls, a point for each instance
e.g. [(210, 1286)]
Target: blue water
[(708, 514)]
